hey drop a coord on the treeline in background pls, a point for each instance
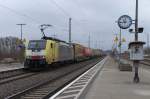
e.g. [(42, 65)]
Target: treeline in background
[(11, 49)]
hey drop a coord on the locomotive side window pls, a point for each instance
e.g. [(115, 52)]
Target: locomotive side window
[(51, 45)]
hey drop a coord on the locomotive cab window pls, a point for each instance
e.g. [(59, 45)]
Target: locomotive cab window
[(37, 44)]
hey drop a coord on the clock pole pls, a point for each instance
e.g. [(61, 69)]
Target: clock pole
[(136, 62), (124, 22), (136, 21)]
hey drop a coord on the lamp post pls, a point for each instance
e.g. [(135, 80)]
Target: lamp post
[(21, 45), (89, 41), (147, 44), (21, 29), (70, 20)]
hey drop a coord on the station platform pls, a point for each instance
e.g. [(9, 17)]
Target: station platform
[(111, 83), (12, 66)]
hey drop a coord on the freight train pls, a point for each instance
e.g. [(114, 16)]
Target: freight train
[(47, 51)]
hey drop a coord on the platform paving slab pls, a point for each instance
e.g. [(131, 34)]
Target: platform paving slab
[(114, 84), (6, 67)]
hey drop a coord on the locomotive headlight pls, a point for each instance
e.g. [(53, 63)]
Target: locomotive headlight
[(43, 56), (28, 57)]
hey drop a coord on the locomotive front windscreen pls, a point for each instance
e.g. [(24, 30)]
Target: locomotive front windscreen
[(37, 44)]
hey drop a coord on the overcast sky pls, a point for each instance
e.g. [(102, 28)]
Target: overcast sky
[(96, 17)]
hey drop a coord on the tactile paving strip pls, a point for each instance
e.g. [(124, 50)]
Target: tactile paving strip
[(75, 89)]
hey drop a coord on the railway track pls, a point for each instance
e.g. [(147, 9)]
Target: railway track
[(50, 86), (15, 77), (146, 61), (11, 73)]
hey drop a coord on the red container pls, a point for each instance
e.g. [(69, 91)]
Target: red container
[(87, 52)]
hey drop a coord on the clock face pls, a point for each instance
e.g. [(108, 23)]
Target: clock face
[(124, 22)]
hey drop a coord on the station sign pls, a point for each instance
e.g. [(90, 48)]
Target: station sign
[(136, 50)]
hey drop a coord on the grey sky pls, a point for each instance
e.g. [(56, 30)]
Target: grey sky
[(96, 17)]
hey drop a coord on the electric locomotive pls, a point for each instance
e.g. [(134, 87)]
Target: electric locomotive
[(41, 53)]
